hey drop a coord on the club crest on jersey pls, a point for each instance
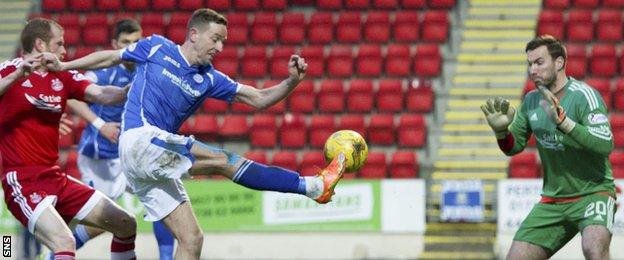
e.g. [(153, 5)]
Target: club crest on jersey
[(57, 85), (198, 78), (35, 198)]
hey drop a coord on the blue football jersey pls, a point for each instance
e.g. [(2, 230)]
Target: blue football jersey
[(92, 144), (167, 89)]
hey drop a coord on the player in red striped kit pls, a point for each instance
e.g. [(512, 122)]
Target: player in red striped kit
[(36, 192)]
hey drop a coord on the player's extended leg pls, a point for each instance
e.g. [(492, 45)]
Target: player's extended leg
[(596, 240), (210, 160), (183, 224), (109, 216), (51, 230), (521, 250)]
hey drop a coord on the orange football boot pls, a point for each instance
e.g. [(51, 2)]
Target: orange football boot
[(330, 176)]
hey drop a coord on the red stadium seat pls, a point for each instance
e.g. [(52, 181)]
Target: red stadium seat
[(215, 106), (279, 61), (237, 34), (247, 5), (155, 19), (412, 131), (603, 86), (375, 166), (420, 97), (348, 28), (369, 61), (95, 35), (617, 163), (618, 98), (181, 18), (254, 62), (321, 127), (329, 4), (53, 5), (617, 121), (524, 165), (443, 4), (385, 4), (311, 163), (603, 61), (398, 60), (219, 5), (576, 65), (376, 28), (68, 20), (233, 126), (164, 5), (381, 129), (551, 22), (389, 96), (292, 30), (137, 5), (227, 61), (237, 18), (435, 26), (82, 5), (609, 25), (590, 4), (274, 4), (302, 99), (340, 61), (356, 4), (413, 4), (556, 4), (404, 165), (352, 122), (190, 5), (109, 5), (264, 28), (613, 3), (263, 131), (331, 96), (82, 51), (580, 27), (314, 56), (205, 127), (285, 159), (360, 96), (428, 60), (176, 33), (95, 20), (72, 35), (258, 156), (321, 28), (406, 26), (293, 131)]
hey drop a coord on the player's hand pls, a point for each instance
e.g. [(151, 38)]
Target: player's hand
[(65, 125), (52, 61), (110, 131), (550, 103), (499, 115), (28, 64), (297, 67)]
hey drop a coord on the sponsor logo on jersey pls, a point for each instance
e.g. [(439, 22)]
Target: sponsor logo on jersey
[(198, 78), (551, 141), (44, 102), (35, 198), (172, 61), (57, 85), (182, 84), (596, 119), (27, 84), (533, 117)]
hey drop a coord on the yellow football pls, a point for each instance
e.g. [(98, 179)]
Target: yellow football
[(352, 144)]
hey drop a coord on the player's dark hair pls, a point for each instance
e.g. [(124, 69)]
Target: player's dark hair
[(204, 16), (554, 46), (37, 28), (126, 26)]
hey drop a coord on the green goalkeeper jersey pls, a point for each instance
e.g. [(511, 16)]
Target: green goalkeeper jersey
[(576, 163)]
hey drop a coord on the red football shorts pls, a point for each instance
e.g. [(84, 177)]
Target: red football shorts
[(29, 190)]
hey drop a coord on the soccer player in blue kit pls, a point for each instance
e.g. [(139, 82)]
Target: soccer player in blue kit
[(171, 82), (98, 157)]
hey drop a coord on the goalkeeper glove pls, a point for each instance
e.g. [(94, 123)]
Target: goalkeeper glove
[(499, 115), (555, 111)]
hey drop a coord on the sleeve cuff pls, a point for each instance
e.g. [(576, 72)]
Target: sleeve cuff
[(566, 125)]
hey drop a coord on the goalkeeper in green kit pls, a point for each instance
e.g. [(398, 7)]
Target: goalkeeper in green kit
[(570, 122)]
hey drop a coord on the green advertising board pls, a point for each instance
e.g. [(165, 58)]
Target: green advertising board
[(223, 206)]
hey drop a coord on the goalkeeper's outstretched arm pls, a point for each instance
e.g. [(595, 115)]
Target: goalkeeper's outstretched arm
[(500, 115)]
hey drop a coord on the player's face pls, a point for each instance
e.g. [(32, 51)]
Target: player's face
[(541, 66), (210, 42), (56, 45), (125, 39)]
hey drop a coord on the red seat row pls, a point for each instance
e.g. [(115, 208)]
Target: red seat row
[(580, 25), (402, 163), (160, 5), (384, 4), (585, 4)]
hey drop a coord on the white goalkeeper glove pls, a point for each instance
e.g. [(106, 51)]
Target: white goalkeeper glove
[(555, 111), (499, 115)]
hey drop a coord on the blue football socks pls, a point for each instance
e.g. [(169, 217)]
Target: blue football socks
[(258, 176)]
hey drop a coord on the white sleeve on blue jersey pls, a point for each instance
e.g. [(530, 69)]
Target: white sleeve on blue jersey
[(139, 52), (224, 87)]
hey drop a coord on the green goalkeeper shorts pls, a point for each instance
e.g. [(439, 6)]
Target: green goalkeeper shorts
[(552, 225)]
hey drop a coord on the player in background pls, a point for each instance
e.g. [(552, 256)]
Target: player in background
[(570, 122), (98, 156), (171, 82), (38, 194)]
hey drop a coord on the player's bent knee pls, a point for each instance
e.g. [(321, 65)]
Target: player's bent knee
[(192, 240), (63, 242)]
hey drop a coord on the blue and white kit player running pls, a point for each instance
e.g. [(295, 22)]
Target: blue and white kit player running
[(171, 82)]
